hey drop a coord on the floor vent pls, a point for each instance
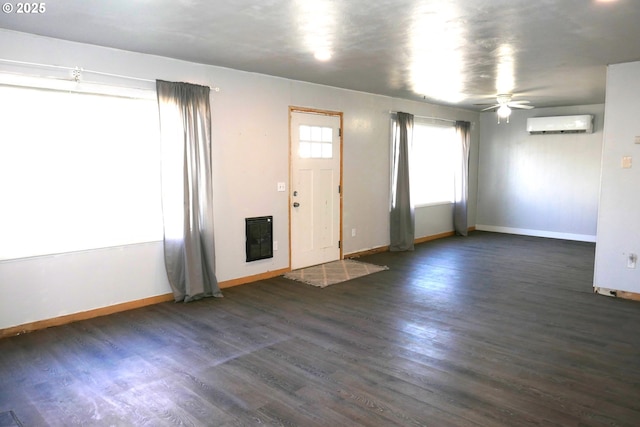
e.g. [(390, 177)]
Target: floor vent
[(259, 232)]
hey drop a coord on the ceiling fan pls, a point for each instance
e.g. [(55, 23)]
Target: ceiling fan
[(505, 104)]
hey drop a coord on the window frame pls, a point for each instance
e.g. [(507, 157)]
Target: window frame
[(51, 88), (446, 126)]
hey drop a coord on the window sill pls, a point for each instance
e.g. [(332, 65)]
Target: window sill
[(71, 252), (426, 205)]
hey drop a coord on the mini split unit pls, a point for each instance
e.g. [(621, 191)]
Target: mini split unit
[(560, 124)]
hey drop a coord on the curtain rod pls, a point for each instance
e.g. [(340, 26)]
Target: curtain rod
[(426, 117), (76, 72)]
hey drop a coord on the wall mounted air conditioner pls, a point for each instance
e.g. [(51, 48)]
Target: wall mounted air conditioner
[(560, 124)]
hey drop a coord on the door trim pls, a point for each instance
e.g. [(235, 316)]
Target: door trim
[(340, 115)]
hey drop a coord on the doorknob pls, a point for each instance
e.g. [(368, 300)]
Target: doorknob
[(296, 204)]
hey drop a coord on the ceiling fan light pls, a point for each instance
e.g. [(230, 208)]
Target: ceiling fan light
[(504, 111)]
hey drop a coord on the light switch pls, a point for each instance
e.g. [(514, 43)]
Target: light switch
[(282, 186), (626, 162), (636, 140), (632, 260)]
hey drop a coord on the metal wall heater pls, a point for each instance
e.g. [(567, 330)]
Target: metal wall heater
[(259, 235)]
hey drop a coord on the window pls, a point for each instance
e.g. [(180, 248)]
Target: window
[(77, 171), (433, 160), (316, 142)]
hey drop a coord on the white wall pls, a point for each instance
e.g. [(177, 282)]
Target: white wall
[(540, 185), (250, 155), (618, 219), (50, 286)]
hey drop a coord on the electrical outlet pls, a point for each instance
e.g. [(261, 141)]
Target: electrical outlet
[(282, 186), (632, 260)]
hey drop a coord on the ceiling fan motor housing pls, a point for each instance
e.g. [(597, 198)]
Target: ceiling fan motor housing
[(503, 98)]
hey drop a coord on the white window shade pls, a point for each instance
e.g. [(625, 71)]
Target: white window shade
[(77, 171), (433, 158)]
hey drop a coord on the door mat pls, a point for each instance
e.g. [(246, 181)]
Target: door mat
[(333, 272), (9, 419)]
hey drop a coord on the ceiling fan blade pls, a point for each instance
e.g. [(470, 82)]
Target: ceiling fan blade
[(518, 102), (491, 108), (522, 107)]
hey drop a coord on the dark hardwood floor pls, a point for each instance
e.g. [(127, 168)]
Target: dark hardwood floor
[(487, 330)]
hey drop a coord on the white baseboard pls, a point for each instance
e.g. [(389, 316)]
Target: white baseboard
[(537, 233)]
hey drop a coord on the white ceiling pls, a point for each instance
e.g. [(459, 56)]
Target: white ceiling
[(457, 52)]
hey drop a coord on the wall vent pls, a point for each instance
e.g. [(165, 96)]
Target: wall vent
[(259, 237)]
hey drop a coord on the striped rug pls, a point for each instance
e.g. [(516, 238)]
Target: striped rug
[(333, 272)]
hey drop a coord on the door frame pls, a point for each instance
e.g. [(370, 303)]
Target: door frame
[(340, 115)]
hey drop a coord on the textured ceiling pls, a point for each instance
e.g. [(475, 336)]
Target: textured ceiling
[(458, 52)]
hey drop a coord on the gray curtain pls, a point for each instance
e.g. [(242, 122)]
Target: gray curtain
[(187, 196), (460, 222), (402, 219)]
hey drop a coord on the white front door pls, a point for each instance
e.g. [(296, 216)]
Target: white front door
[(315, 188)]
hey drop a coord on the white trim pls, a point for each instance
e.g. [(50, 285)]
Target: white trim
[(77, 72), (8, 79), (537, 233)]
